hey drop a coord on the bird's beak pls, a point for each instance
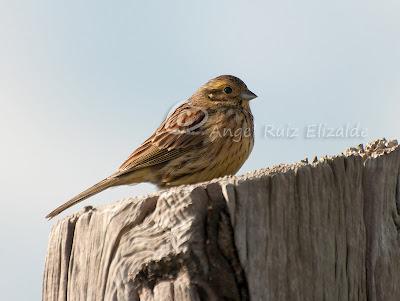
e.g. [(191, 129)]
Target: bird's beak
[(247, 95)]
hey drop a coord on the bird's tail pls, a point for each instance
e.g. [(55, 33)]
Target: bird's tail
[(102, 185)]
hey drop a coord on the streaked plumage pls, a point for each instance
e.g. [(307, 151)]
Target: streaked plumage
[(209, 136)]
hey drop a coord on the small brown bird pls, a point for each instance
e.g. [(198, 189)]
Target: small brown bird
[(210, 135)]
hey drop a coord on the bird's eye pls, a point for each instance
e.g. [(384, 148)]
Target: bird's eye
[(228, 90)]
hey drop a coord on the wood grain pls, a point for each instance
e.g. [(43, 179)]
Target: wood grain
[(327, 230)]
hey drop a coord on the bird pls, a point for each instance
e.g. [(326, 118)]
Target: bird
[(208, 136)]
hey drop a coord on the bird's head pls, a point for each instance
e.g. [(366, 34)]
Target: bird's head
[(225, 89)]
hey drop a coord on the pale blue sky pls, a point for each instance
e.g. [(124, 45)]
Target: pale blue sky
[(82, 83)]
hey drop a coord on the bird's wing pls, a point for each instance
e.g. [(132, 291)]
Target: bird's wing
[(180, 132)]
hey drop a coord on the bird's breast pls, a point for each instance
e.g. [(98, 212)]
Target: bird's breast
[(228, 138), (231, 138)]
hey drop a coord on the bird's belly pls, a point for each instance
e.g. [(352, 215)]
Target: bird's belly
[(220, 159)]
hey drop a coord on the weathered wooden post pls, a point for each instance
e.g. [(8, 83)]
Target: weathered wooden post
[(328, 230)]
